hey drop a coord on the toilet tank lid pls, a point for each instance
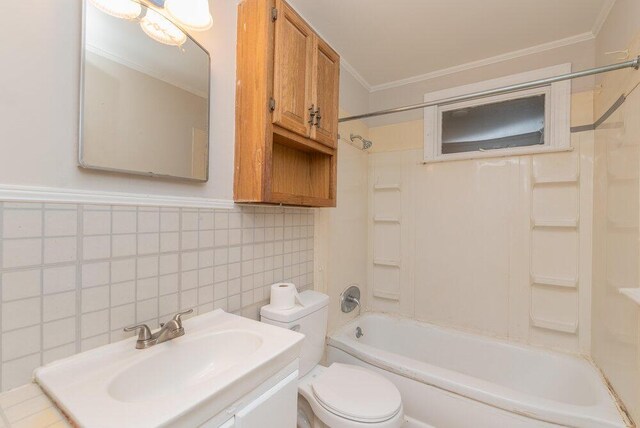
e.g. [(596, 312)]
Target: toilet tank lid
[(309, 302)]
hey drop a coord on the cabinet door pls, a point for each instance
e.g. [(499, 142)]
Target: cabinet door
[(278, 407), (292, 71), (326, 79)]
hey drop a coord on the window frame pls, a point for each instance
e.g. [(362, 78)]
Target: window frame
[(557, 114)]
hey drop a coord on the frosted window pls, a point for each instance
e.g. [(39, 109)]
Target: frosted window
[(513, 123)]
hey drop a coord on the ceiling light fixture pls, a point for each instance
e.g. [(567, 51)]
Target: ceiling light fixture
[(161, 29), (192, 14), (125, 9)]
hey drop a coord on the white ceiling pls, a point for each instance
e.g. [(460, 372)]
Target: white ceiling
[(386, 41)]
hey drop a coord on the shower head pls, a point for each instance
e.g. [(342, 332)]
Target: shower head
[(366, 144)]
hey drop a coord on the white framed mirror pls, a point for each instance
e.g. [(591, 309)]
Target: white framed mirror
[(145, 89)]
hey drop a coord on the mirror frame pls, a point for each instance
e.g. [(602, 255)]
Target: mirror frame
[(85, 165)]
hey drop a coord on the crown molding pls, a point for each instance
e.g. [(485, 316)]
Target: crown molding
[(352, 71), (579, 38), (602, 17), (74, 196)]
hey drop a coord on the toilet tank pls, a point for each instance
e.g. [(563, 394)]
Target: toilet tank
[(308, 317)]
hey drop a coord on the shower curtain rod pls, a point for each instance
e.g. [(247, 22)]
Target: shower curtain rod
[(635, 63)]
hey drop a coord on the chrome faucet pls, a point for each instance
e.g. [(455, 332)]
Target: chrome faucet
[(172, 329)]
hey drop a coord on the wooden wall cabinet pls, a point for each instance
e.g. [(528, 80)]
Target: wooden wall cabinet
[(286, 109)]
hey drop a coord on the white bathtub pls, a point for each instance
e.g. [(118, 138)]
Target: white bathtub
[(449, 378)]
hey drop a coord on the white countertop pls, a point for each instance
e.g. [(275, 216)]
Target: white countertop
[(221, 358)]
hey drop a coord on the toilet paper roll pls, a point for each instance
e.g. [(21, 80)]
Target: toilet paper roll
[(283, 295)]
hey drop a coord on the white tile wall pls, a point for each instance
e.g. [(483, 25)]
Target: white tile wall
[(72, 276)]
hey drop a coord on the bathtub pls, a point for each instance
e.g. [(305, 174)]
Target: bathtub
[(449, 378)]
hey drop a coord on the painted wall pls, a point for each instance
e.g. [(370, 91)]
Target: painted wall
[(40, 93), (341, 248), (616, 254), (454, 243), (580, 55)]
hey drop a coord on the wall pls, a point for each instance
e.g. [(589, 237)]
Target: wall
[(126, 113), (580, 55), (456, 243), (616, 267), (39, 103), (341, 244), (341, 259), (72, 276)]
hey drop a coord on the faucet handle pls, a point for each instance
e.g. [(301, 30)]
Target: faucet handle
[(144, 332), (178, 317)]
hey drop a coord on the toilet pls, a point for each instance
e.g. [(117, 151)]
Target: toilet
[(341, 395)]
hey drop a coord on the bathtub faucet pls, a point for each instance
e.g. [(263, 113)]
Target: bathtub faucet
[(350, 299)]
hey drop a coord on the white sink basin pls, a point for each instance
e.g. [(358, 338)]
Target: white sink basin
[(203, 358), (221, 358)]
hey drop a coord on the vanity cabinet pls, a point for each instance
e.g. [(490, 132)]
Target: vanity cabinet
[(273, 404), (286, 109)]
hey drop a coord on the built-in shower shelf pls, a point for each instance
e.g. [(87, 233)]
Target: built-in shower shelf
[(382, 219), (631, 293), (382, 187), (388, 263), (388, 295), (563, 327), (564, 223), (550, 181), (554, 282)]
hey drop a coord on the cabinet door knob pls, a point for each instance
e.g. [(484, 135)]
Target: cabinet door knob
[(318, 117)]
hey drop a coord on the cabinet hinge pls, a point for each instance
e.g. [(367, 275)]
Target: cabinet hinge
[(274, 13), (272, 104)]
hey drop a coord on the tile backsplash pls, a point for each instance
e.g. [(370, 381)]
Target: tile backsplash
[(72, 276)]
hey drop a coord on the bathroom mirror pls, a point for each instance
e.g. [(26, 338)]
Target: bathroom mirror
[(144, 94)]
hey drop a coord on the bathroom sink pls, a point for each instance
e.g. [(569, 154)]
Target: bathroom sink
[(191, 361), (221, 358)]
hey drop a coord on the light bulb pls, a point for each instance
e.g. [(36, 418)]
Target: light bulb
[(125, 9), (192, 14), (161, 29)]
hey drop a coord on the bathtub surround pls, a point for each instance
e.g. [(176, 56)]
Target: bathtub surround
[(616, 317), (72, 276), (498, 246)]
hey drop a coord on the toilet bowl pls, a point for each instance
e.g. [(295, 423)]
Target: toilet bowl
[(347, 396), (341, 395)]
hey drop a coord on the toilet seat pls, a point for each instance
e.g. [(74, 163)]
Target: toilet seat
[(348, 396), (357, 394)]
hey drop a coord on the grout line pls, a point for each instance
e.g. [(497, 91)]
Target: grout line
[(180, 308), (135, 271), (78, 289), (1, 291), (43, 233), (110, 306), (157, 257), (197, 252)]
